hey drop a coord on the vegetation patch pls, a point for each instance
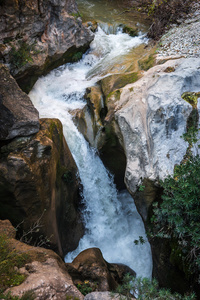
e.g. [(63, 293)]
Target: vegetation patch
[(169, 70), (29, 295), (177, 217), (85, 287), (21, 56), (130, 31), (191, 98), (10, 260), (77, 56), (145, 289)]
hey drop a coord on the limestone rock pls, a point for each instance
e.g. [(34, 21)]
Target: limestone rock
[(152, 117), (18, 116), (38, 184), (40, 35), (90, 265)]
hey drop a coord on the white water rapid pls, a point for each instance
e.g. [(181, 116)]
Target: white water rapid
[(111, 219)]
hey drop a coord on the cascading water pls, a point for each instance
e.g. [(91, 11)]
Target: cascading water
[(111, 219)]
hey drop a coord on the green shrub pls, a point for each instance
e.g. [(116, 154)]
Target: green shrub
[(177, 217), (145, 289), (85, 287), (21, 56)]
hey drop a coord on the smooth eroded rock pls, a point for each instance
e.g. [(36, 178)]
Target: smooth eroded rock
[(39, 185), (152, 117)]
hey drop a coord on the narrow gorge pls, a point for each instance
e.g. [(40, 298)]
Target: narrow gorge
[(88, 130)]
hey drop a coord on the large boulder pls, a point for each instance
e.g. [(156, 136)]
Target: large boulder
[(45, 273), (36, 36), (90, 266), (39, 188), (18, 116)]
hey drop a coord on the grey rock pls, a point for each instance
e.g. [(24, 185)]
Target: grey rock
[(152, 117), (18, 116), (104, 296)]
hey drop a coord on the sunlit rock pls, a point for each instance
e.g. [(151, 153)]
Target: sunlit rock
[(45, 273)]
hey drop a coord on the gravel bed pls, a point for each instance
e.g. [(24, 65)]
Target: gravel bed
[(182, 40)]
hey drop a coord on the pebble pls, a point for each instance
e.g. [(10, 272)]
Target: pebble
[(182, 40)]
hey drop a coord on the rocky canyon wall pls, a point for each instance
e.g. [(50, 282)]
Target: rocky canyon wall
[(36, 36)]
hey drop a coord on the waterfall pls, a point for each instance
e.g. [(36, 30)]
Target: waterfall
[(111, 219)]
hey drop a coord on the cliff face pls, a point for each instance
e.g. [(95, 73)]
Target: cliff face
[(38, 35), (38, 185)]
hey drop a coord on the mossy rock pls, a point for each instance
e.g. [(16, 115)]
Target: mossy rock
[(147, 63), (130, 30), (10, 261), (117, 81)]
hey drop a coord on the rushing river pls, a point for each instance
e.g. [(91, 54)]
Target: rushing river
[(111, 219)]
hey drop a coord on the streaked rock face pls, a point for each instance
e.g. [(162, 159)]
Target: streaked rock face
[(152, 117), (38, 182), (18, 116)]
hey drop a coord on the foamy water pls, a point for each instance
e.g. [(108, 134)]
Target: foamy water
[(111, 219)]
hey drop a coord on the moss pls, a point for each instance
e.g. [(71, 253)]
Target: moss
[(146, 64), (10, 259), (116, 94)]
